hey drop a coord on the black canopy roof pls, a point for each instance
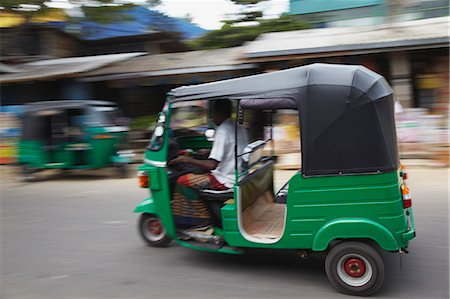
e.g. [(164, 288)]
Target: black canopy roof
[(287, 83), (34, 126), (346, 113)]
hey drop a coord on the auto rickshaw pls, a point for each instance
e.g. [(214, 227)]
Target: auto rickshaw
[(348, 201), (73, 134)]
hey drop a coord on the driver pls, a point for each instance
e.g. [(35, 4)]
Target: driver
[(189, 211)]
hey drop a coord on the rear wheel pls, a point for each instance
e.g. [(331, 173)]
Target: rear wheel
[(355, 268), (152, 231), (27, 173)]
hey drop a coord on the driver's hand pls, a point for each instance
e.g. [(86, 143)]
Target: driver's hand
[(180, 159), (203, 152)]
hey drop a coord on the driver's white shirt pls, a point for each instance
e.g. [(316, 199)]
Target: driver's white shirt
[(223, 151)]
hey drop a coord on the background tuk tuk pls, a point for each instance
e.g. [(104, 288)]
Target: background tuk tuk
[(349, 199), (72, 134)]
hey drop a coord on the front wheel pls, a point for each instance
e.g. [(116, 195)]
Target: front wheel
[(355, 268), (152, 231)]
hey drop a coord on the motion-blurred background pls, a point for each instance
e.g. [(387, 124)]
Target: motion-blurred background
[(74, 236), (132, 53)]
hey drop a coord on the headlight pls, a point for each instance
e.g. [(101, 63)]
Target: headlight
[(143, 179)]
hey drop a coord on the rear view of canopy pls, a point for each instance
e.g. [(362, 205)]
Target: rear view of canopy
[(346, 113)]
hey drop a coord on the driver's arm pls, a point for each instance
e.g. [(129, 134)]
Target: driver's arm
[(218, 149), (208, 164)]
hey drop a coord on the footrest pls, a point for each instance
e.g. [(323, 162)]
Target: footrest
[(203, 238)]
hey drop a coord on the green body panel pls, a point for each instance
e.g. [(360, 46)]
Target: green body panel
[(155, 178), (319, 204), (321, 209), (31, 153), (103, 150), (98, 153), (354, 228), (159, 156), (146, 206), (160, 201)]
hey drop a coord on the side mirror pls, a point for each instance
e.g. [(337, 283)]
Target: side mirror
[(209, 134)]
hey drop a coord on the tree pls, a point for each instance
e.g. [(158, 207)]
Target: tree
[(26, 8), (250, 11), (247, 25), (153, 3), (232, 36), (188, 17)]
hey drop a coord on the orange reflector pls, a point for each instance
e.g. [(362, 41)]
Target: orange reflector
[(102, 137), (143, 179), (406, 196), (405, 189)]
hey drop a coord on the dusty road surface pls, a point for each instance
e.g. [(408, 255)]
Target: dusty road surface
[(73, 235)]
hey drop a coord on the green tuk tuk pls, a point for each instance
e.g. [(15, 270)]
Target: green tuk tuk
[(349, 199), (73, 134)]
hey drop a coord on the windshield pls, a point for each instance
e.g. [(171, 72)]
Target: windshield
[(190, 118), (106, 116)]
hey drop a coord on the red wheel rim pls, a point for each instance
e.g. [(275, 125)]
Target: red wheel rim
[(354, 267), (155, 227)]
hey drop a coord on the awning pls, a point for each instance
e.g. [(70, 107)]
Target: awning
[(322, 42), (173, 64), (4, 68), (62, 67)]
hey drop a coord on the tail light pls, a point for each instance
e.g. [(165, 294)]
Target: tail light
[(143, 179), (404, 172), (406, 196)]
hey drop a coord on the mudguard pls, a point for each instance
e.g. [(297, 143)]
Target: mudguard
[(146, 206), (354, 228)]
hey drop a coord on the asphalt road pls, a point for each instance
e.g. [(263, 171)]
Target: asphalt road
[(74, 236)]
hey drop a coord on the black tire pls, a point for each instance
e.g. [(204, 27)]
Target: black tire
[(151, 235), (27, 173), (355, 268)]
